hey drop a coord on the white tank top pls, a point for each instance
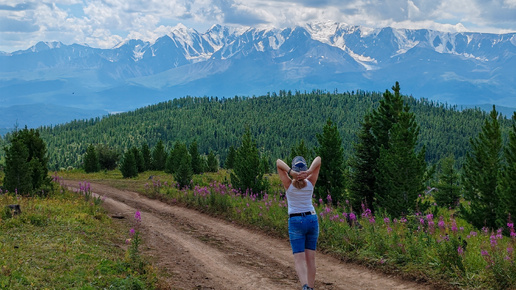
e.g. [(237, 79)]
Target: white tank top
[(300, 200)]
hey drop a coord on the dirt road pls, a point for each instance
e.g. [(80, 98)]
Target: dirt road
[(202, 252)]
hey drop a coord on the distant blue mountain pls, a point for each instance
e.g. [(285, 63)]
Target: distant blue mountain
[(455, 68)]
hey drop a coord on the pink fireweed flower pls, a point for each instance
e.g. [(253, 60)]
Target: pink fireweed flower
[(460, 250), (366, 213), (403, 220), (484, 253), (499, 234), (473, 234), (352, 216), (510, 225), (137, 216), (422, 221), (131, 231), (328, 198), (493, 240), (454, 226), (386, 220), (441, 222), (371, 220), (389, 230), (320, 201)]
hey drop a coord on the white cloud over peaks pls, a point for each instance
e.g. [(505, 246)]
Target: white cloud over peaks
[(104, 23)]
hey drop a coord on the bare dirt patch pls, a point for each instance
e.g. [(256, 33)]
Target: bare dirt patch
[(198, 251)]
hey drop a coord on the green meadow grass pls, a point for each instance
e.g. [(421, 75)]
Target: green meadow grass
[(66, 241), (435, 246)]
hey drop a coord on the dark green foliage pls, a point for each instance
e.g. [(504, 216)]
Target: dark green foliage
[(401, 171), (129, 167), (265, 164), (386, 171), (212, 162), (91, 160), (138, 158), (108, 157), (218, 123), (448, 189), (159, 156), (508, 175), (17, 175), (184, 173), (480, 177), (331, 175), (175, 156), (147, 159), (248, 173), (197, 165), (26, 163), (230, 160), (362, 167)]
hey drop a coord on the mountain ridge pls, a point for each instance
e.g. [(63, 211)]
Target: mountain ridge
[(464, 68)]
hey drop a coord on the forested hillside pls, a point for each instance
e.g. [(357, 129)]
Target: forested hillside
[(276, 121)]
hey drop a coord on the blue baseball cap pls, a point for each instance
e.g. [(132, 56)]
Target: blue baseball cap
[(299, 164)]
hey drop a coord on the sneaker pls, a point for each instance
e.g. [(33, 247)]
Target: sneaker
[(305, 287)]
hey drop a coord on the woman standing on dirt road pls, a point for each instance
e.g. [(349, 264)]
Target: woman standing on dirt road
[(303, 226)]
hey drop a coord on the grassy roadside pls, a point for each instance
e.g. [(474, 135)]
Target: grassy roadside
[(66, 241)]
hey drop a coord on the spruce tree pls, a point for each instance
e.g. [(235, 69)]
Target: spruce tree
[(196, 158), (448, 189), (175, 156), (247, 173), (91, 160), (184, 173), (138, 157), (401, 170), (129, 168), (481, 173), (230, 159), (17, 177), (159, 156), (146, 155), (213, 163), (331, 175), (37, 162), (362, 167), (508, 176), (108, 157)]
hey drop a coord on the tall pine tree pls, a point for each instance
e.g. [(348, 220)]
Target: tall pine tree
[(508, 176), (159, 156), (147, 159), (230, 159), (184, 173), (248, 172), (448, 188), (17, 177), (91, 160), (196, 158), (480, 176), (331, 176), (129, 168)]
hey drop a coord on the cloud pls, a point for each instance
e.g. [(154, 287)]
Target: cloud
[(103, 23)]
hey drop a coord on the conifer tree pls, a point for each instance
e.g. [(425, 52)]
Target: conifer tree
[(159, 156), (17, 174), (138, 157), (108, 157), (247, 173), (184, 173), (175, 156), (37, 162), (401, 170), (481, 176), (196, 158), (508, 176), (372, 172), (129, 168), (146, 155), (331, 176), (91, 160), (213, 163), (230, 159), (362, 168), (448, 189)]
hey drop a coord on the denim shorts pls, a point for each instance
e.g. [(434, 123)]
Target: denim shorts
[(303, 232)]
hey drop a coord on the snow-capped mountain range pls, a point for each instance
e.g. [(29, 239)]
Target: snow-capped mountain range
[(456, 68)]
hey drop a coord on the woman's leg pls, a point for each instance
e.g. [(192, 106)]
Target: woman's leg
[(301, 269), (310, 267)]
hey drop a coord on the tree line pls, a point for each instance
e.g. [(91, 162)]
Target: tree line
[(386, 169)]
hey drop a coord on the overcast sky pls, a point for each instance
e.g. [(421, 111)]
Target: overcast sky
[(104, 23)]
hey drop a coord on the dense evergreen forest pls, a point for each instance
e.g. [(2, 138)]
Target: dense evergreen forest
[(277, 122)]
